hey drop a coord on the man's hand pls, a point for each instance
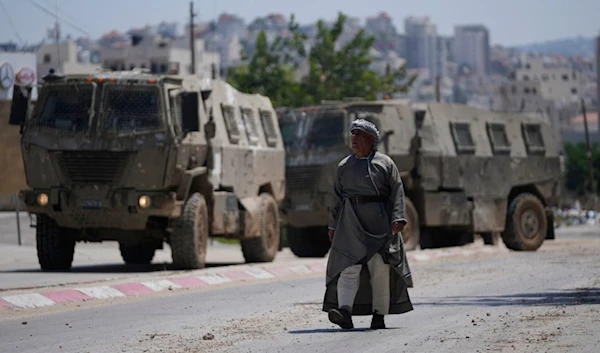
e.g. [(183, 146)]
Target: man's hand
[(397, 227), (331, 234)]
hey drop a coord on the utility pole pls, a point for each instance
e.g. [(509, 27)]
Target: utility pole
[(437, 88), (589, 154), (57, 36), (192, 38)]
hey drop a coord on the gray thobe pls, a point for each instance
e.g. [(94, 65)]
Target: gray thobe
[(361, 230)]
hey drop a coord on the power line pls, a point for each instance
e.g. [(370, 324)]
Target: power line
[(12, 24), (53, 15), (64, 13)]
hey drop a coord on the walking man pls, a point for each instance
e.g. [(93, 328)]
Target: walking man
[(366, 217)]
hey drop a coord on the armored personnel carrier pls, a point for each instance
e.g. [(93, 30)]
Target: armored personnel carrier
[(465, 171), (146, 159)]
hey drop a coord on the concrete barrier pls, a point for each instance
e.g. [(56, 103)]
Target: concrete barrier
[(12, 172)]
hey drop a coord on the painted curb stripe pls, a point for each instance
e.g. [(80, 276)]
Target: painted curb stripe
[(33, 300), (103, 292), (64, 296), (132, 289), (30, 300), (162, 284), (5, 304), (189, 282)]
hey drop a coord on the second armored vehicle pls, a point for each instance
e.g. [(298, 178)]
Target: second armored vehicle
[(465, 171), (145, 159)]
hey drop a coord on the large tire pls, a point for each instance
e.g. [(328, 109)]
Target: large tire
[(189, 239), (526, 223), (411, 235), (55, 250), (265, 247), (309, 241), (139, 254)]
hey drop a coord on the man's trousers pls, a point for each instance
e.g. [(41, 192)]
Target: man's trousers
[(348, 284)]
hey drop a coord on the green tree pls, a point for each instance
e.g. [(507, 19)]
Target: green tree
[(576, 167), (271, 69), (333, 73)]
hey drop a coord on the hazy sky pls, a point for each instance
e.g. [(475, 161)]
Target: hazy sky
[(511, 22)]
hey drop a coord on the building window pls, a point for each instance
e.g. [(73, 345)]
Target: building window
[(47, 58), (574, 90), (534, 141), (534, 90), (498, 138), (463, 140), (525, 78), (527, 66), (250, 125), (544, 77), (266, 119), (230, 123), (163, 68), (565, 77), (526, 90)]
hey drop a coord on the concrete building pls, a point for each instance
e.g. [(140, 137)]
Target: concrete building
[(560, 83), (424, 49), (160, 55), (63, 58), (471, 46)]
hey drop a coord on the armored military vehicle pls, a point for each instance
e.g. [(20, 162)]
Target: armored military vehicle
[(465, 171), (144, 159)]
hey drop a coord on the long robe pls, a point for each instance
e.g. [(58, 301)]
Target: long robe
[(361, 230)]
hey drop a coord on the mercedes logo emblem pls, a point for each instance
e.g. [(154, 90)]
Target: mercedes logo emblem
[(7, 76)]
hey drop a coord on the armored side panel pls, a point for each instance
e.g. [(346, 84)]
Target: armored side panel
[(471, 159)]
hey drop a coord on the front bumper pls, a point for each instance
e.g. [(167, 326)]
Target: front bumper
[(94, 207)]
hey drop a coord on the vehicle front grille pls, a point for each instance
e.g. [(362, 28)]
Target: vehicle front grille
[(101, 167), (303, 177)]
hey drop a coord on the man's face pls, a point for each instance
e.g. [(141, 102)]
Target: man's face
[(362, 143)]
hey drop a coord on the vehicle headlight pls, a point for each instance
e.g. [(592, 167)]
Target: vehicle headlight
[(42, 199), (144, 201)]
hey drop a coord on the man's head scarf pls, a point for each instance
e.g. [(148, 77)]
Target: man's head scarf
[(368, 128)]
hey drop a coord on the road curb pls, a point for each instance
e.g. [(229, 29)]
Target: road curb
[(200, 278)]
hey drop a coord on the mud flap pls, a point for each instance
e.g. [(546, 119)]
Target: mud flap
[(550, 224)]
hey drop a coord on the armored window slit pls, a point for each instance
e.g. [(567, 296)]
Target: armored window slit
[(498, 138), (266, 119), (534, 141), (66, 107), (250, 125), (230, 123), (463, 140)]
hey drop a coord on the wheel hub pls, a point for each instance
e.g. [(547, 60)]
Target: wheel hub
[(530, 223)]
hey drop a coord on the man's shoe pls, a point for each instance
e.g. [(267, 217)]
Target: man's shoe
[(341, 317), (377, 322)]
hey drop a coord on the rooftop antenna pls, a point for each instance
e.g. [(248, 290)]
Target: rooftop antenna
[(192, 38), (57, 32)]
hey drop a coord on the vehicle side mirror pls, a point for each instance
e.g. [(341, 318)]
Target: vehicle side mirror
[(190, 120), (210, 127), (20, 104), (419, 118)]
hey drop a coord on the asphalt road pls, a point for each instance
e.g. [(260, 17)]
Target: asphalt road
[(545, 301), (19, 267)]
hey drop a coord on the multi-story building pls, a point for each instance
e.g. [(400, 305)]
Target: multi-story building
[(559, 83), (471, 46), (63, 57), (424, 49), (161, 55)]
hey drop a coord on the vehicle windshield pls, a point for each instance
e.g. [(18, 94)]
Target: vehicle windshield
[(327, 129), (130, 109), (65, 107), (289, 125)]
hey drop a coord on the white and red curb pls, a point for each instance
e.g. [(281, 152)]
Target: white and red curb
[(224, 275)]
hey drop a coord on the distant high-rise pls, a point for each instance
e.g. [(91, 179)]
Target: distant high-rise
[(423, 47), (472, 47)]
